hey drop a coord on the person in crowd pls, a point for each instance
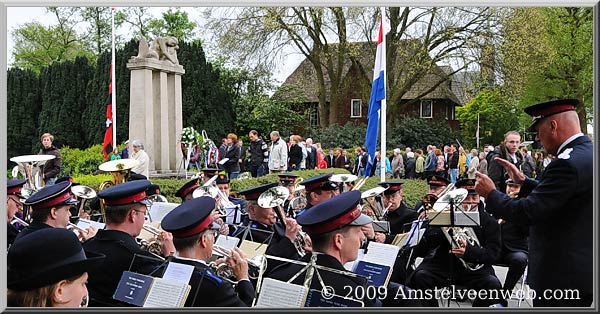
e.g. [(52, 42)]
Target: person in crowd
[(258, 152), (430, 161), (452, 162), (242, 160), (53, 166), (419, 164), (232, 154), (410, 165), (195, 158), (294, 154), (483, 165), (527, 165), (330, 159), (194, 236), (360, 162), (321, 162), (125, 151), (440, 168), (311, 155), (473, 164), (278, 157), (115, 154), (539, 163), (564, 194), (49, 268), (397, 164), (139, 154), (126, 208), (508, 150), (462, 161)]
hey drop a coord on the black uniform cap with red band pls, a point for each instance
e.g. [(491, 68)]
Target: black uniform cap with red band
[(187, 188), (393, 187), (130, 192), (190, 218), (14, 187), (52, 196), (320, 182), (540, 111), (334, 213)]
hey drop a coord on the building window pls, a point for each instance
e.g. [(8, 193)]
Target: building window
[(450, 112), (426, 109), (314, 117), (356, 110)]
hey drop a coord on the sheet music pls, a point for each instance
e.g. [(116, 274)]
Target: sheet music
[(233, 215), (166, 293), (415, 233), (227, 242), (158, 210), (380, 253), (178, 272), (84, 223), (252, 249), (275, 293), (223, 161)]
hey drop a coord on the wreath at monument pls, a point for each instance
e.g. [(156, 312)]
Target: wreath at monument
[(190, 137)]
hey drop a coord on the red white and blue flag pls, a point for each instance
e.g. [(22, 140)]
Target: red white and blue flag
[(377, 96), (108, 136)]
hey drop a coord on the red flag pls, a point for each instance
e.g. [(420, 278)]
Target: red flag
[(108, 136)]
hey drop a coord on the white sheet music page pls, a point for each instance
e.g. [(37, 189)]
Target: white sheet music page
[(178, 272), (227, 242), (275, 293), (382, 254)]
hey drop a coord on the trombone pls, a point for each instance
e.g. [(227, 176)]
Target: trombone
[(18, 220)]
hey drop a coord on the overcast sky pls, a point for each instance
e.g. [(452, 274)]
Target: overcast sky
[(16, 16)]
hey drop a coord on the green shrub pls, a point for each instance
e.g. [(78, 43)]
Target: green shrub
[(414, 190), (76, 162)]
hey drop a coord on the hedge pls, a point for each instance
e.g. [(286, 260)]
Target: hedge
[(414, 190)]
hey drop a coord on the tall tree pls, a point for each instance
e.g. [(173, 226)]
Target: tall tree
[(173, 23)]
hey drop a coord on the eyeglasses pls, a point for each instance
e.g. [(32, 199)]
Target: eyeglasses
[(19, 204), (146, 216)]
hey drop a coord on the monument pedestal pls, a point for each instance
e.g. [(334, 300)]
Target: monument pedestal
[(155, 111)]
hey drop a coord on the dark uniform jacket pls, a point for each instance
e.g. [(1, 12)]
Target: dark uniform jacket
[(487, 253), (33, 227), (514, 237), (119, 248), (559, 211), (209, 290), (12, 233), (341, 284), (397, 219)]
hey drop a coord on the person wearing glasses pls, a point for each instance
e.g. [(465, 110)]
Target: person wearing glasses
[(51, 208), (13, 205), (126, 208), (194, 235)]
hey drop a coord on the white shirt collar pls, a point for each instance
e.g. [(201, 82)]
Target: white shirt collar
[(191, 259), (569, 140)]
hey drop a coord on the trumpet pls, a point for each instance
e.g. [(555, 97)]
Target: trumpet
[(154, 246), (256, 265), (273, 198), (18, 220)]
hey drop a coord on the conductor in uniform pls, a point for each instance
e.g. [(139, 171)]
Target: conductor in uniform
[(558, 208), (126, 209), (194, 235)]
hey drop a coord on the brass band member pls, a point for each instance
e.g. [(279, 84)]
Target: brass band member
[(445, 267), (288, 180), (223, 183), (185, 192), (13, 205), (194, 235), (49, 268), (515, 247), (319, 189), (126, 209), (51, 208)]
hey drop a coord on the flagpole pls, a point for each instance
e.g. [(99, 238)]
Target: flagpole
[(477, 130), (383, 119), (113, 81)]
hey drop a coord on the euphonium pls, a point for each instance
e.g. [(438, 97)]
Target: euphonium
[(120, 170), (459, 234)]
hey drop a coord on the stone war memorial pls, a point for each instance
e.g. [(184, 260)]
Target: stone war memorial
[(155, 110)]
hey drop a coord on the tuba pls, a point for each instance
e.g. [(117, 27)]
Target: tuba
[(29, 167), (120, 170), (344, 180), (274, 198), (374, 203)]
